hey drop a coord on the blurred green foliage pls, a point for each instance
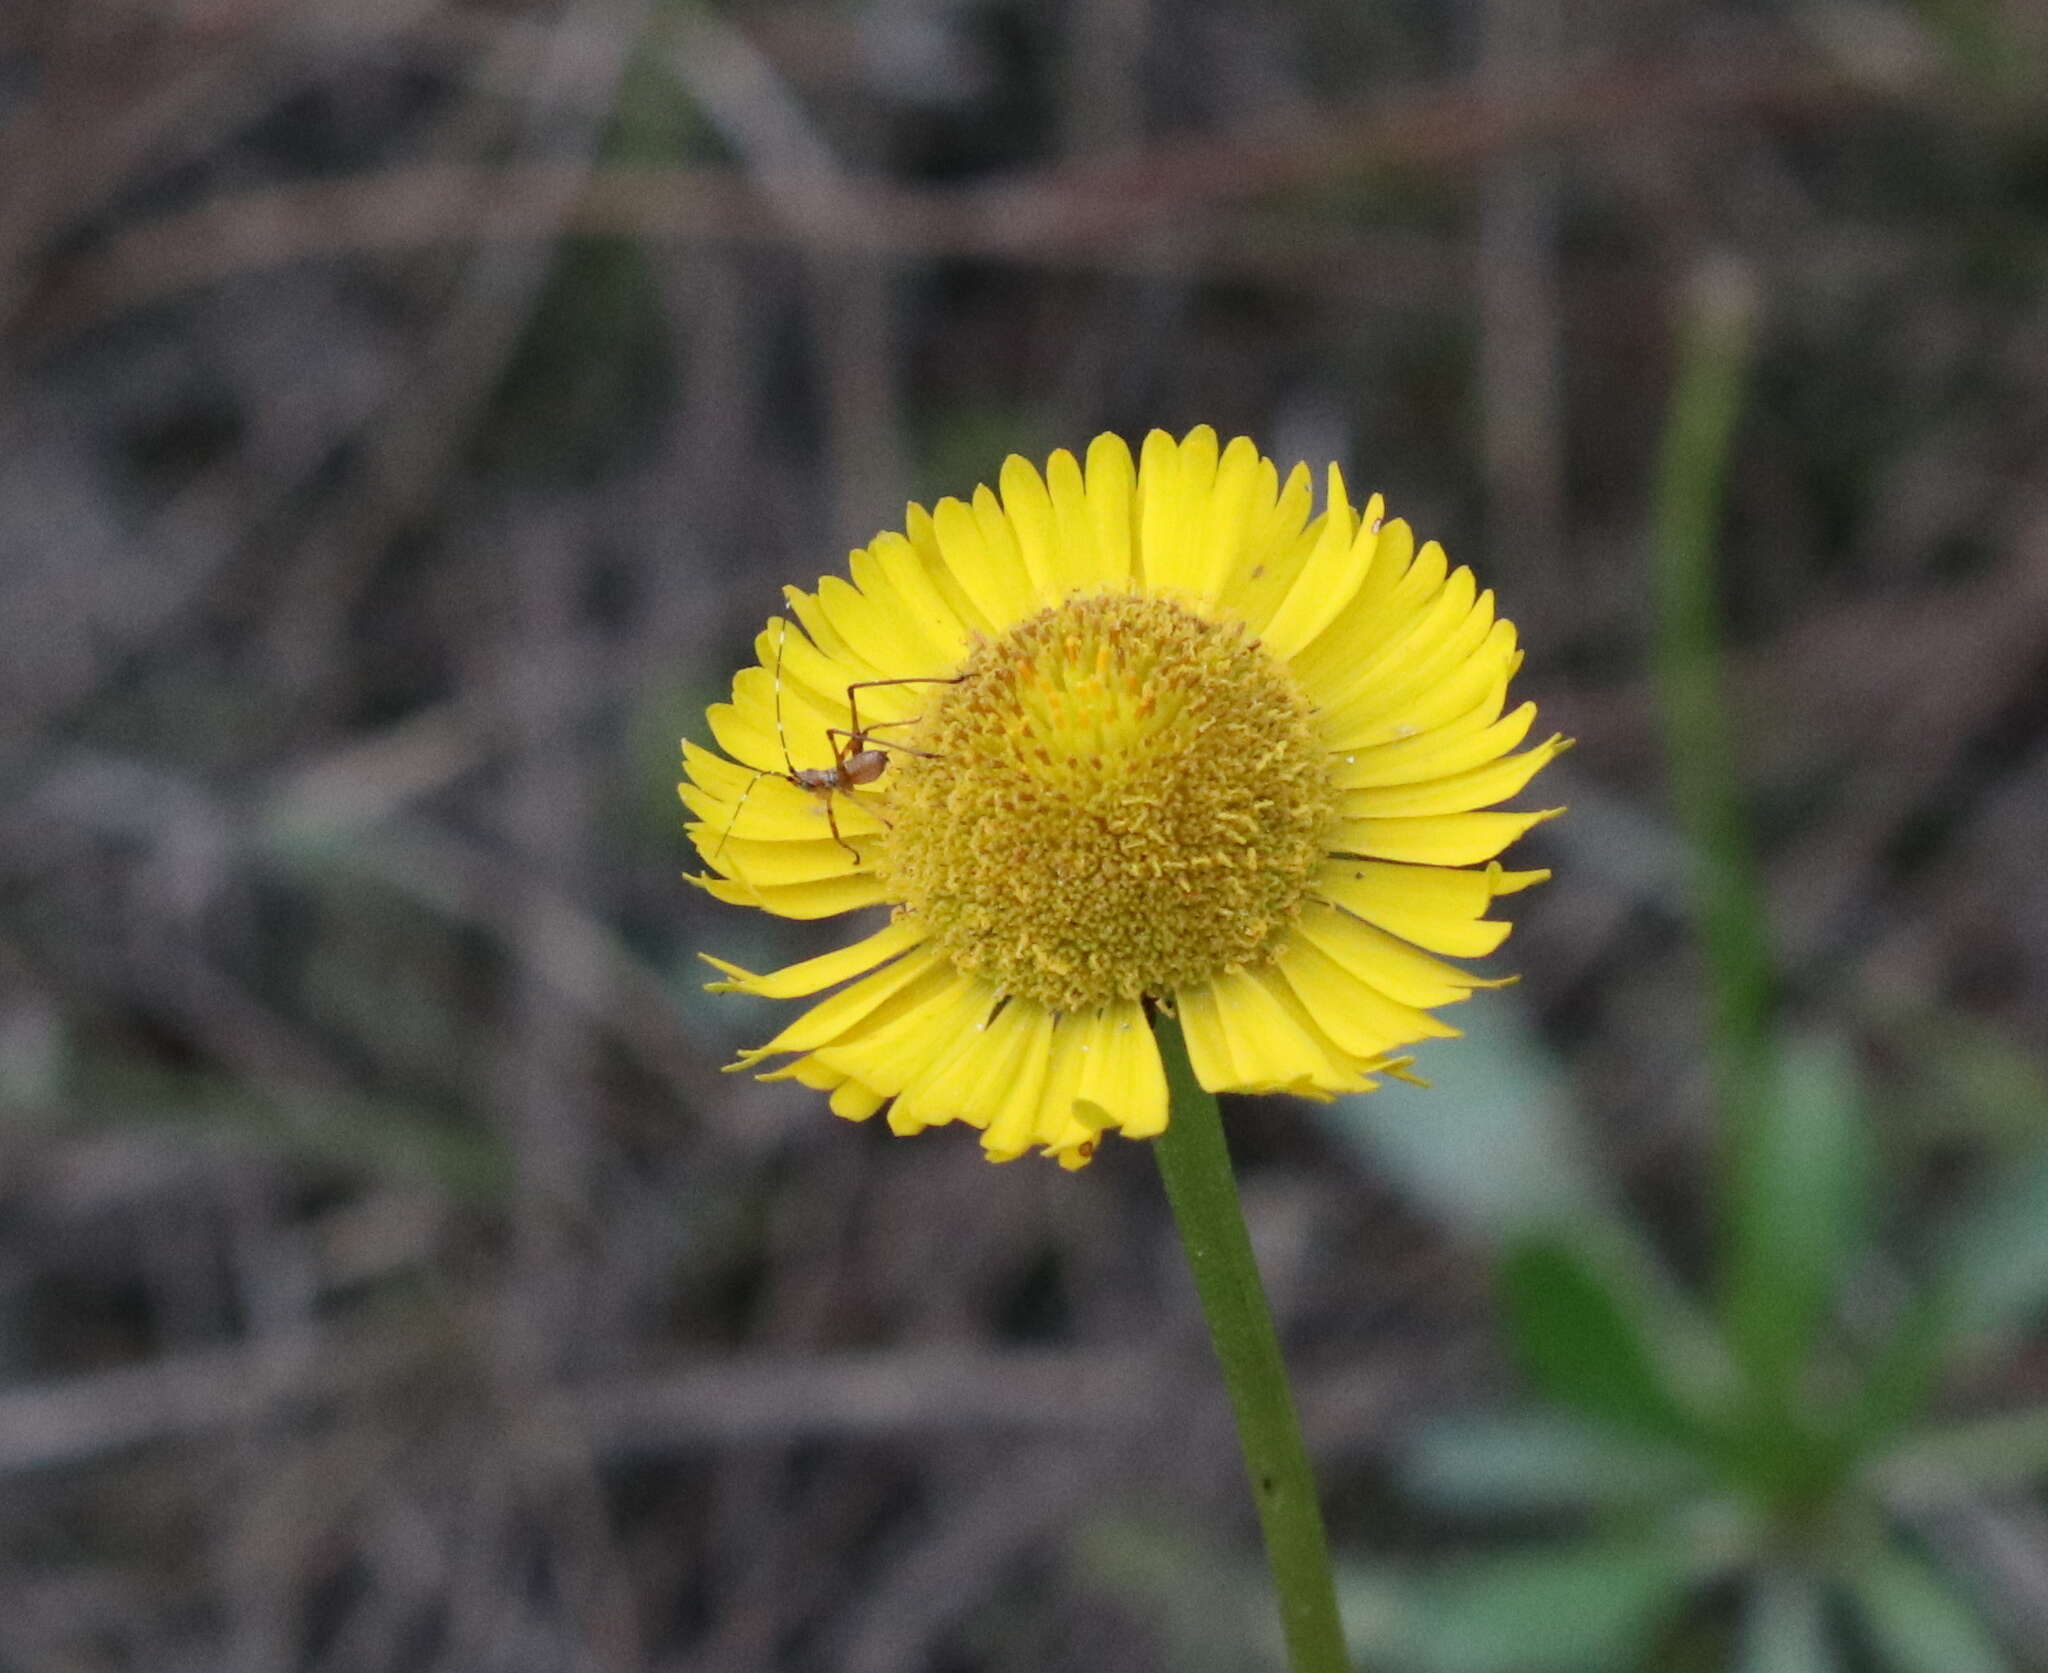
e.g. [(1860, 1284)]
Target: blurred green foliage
[(1758, 1480)]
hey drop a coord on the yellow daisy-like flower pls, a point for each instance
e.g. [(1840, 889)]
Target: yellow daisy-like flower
[(1127, 735)]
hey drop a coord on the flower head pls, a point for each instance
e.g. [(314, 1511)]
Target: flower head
[(1126, 735)]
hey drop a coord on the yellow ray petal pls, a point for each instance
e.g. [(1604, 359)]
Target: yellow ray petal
[(967, 1084), (1123, 1083), (1207, 1041), (1397, 587), (827, 970), (1027, 509), (1220, 557), (1419, 638), (813, 684), (1112, 507), (888, 631), (1441, 909), (1278, 511), (744, 738), (890, 643), (1351, 1068), (830, 1018), (778, 719), (811, 617), (1354, 1013), (999, 541), (1474, 737), (1267, 1045), (1001, 593), (1055, 1122), (893, 1050), (1176, 481), (851, 1101), (1456, 792), (1442, 839), (1278, 541), (1076, 565), (806, 1071), (1454, 692), (902, 580), (1426, 672), (785, 864), (826, 898), (923, 537), (1335, 570), (1376, 958), (1017, 1097), (723, 779), (717, 820), (770, 808)]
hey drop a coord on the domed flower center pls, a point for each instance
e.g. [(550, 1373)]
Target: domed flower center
[(1120, 798)]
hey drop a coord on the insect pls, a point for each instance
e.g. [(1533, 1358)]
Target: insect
[(858, 757)]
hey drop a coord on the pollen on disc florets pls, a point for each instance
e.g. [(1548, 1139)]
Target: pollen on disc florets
[(1118, 799)]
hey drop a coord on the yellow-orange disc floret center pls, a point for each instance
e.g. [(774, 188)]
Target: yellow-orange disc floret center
[(1119, 799)]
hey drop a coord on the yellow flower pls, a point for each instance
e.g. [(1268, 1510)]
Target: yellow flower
[(1122, 736)]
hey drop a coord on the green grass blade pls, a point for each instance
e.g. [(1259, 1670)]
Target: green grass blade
[(1785, 1627), (1587, 1344), (1918, 1621), (1800, 1214)]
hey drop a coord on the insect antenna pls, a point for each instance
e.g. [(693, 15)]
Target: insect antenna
[(781, 738)]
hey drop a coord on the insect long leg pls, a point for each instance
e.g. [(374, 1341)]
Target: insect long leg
[(856, 730), (832, 819), (846, 745)]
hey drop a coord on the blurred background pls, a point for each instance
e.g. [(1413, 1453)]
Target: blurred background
[(409, 411)]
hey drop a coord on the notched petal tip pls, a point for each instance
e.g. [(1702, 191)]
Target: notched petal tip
[(734, 978), (851, 1101), (730, 890)]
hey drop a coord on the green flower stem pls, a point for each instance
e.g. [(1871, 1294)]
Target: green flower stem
[(1715, 355), (1195, 1163), (1713, 378)]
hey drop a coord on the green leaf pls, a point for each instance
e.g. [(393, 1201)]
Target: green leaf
[(1571, 1609), (1993, 1268), (1901, 1375), (1801, 1209), (1543, 1461), (1961, 1460), (1785, 1627), (1490, 1149), (1586, 1345), (1918, 1623)]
